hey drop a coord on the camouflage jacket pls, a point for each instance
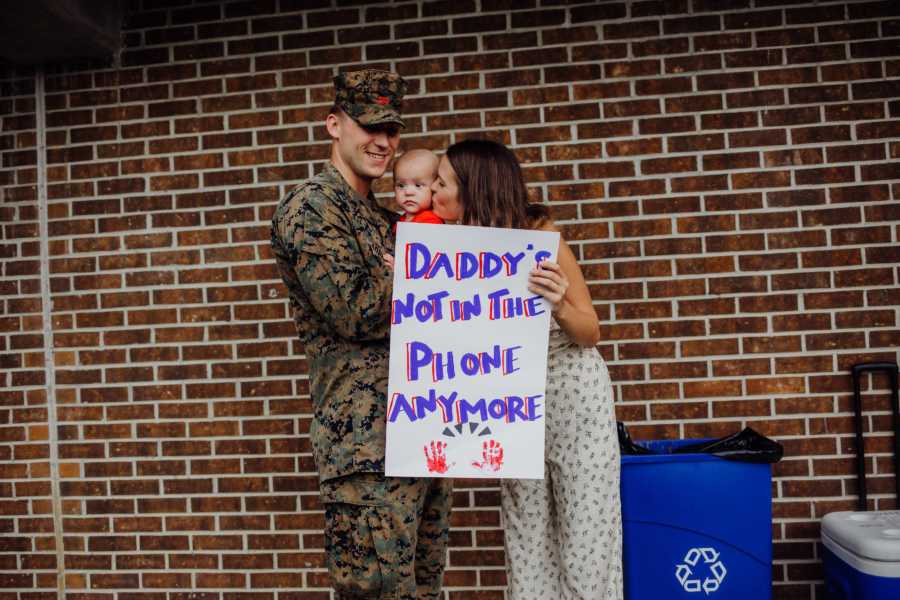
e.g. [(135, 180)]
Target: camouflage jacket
[(328, 242)]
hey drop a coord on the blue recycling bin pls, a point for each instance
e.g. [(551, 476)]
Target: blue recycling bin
[(695, 526)]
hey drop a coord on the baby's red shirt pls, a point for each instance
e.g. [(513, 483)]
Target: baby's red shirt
[(427, 216), (424, 216)]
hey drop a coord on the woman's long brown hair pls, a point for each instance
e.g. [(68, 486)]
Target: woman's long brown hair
[(492, 189)]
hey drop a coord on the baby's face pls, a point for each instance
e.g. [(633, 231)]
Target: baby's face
[(412, 185)]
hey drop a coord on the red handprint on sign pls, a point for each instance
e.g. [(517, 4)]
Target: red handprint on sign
[(436, 460), (492, 455)]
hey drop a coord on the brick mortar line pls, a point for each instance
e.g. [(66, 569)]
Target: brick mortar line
[(303, 377), (281, 34), (46, 301), (232, 227), (621, 362), (597, 302), (490, 71), (638, 200), (629, 40), (474, 91), (722, 335), (594, 281), (506, 127), (547, 163)]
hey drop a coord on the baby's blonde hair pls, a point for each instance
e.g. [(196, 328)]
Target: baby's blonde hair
[(417, 154)]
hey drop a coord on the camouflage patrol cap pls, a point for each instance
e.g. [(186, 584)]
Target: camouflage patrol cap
[(370, 97)]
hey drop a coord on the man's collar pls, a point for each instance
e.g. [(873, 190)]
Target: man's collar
[(332, 172)]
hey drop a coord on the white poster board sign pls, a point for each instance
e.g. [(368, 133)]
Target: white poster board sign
[(468, 359)]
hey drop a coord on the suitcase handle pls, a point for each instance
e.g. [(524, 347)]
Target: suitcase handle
[(856, 372)]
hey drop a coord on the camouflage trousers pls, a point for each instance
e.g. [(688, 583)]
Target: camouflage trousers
[(386, 537)]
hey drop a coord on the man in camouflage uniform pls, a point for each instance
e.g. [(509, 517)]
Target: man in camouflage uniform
[(385, 537)]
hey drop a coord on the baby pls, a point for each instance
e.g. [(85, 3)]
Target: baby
[(413, 174)]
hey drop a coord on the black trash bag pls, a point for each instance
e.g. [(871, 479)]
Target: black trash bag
[(745, 446), (626, 444)]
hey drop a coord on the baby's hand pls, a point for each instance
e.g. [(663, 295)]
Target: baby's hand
[(388, 260)]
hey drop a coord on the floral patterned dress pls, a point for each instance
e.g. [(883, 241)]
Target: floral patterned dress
[(564, 533)]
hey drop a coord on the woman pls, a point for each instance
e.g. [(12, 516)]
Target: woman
[(563, 533)]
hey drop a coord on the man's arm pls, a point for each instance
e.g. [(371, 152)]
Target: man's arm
[(350, 291)]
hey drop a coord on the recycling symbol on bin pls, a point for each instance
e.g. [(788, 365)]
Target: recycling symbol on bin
[(688, 573)]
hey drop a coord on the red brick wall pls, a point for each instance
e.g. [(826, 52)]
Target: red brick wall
[(726, 171)]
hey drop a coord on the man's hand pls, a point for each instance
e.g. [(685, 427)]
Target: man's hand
[(388, 260)]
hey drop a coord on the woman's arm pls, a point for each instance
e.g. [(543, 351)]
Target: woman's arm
[(563, 286)]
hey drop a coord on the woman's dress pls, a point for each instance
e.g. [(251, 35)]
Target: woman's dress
[(564, 533)]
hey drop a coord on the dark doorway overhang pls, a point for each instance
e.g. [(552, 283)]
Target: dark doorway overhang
[(36, 32)]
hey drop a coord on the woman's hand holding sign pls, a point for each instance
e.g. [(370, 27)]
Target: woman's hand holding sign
[(561, 284), (548, 280)]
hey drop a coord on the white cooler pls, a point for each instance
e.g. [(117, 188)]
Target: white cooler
[(862, 555)]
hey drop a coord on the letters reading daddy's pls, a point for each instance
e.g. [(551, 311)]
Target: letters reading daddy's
[(468, 353), (422, 264)]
